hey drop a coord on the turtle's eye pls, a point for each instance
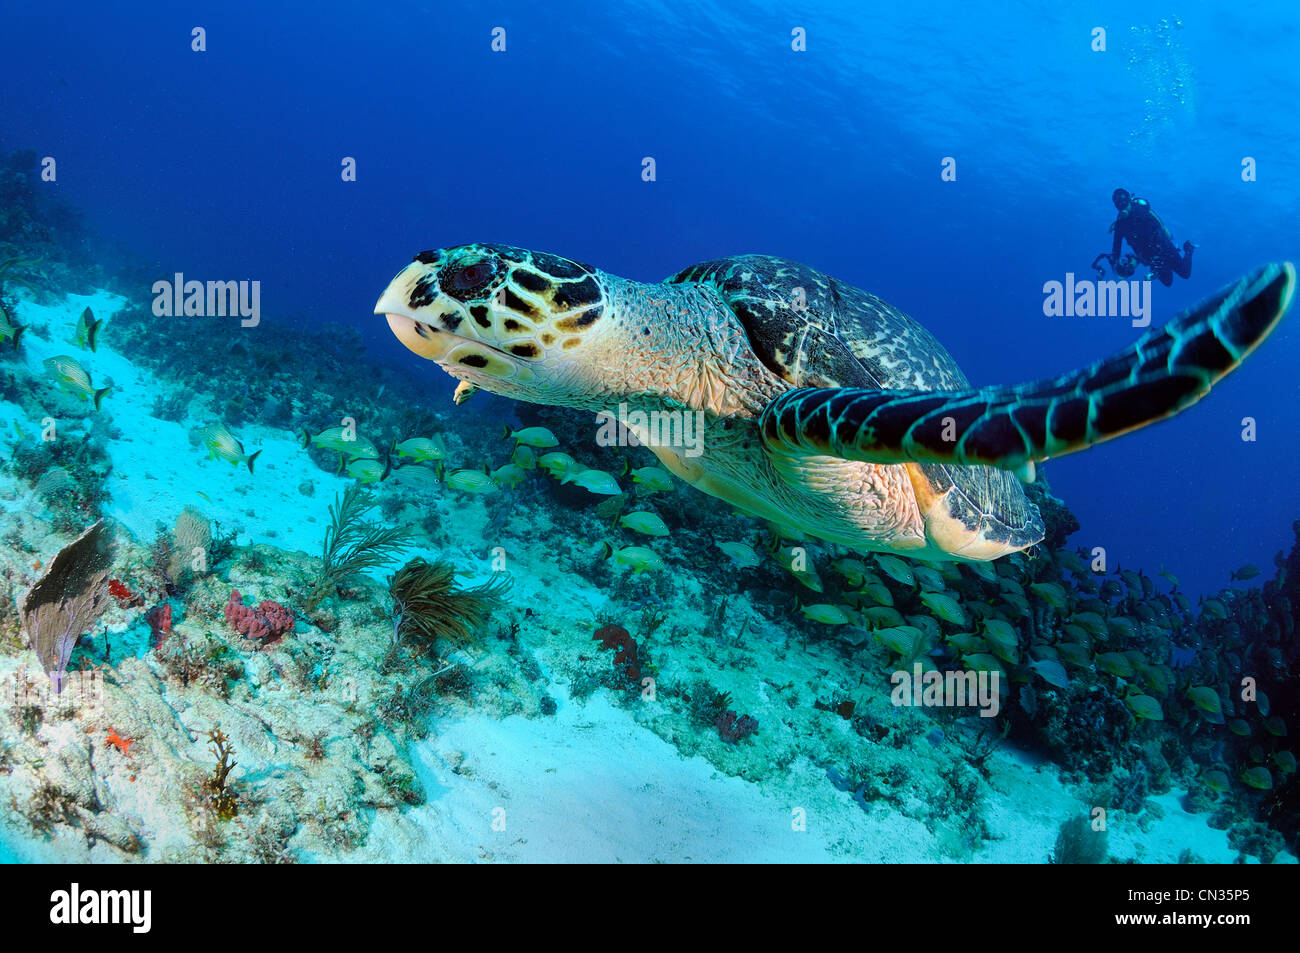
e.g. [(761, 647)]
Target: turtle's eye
[(462, 282)]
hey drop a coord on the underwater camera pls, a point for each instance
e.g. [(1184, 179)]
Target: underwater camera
[(1126, 266)]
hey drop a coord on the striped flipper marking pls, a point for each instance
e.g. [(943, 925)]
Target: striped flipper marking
[(1168, 369)]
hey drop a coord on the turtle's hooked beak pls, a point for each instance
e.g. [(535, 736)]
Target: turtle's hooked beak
[(460, 357), (427, 332), (428, 342)]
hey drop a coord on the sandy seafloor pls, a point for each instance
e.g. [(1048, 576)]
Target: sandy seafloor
[(590, 783)]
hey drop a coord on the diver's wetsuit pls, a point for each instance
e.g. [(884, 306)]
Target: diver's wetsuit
[(1151, 242)]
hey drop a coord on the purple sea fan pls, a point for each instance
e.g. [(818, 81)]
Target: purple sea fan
[(65, 603)]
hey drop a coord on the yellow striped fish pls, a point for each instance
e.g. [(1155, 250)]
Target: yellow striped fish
[(221, 444), (74, 378), (8, 329), (88, 330)]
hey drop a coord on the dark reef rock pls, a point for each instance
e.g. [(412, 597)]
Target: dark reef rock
[(1087, 728), (1057, 518)]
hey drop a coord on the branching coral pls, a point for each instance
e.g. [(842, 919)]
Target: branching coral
[(427, 606), (222, 799), (979, 747)]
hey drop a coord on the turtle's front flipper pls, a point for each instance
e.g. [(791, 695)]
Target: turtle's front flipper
[(1167, 369)]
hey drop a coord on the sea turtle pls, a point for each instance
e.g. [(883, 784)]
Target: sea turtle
[(824, 409)]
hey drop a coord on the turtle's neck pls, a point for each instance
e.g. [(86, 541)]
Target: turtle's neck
[(679, 346)]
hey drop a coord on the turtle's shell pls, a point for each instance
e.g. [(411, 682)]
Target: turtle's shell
[(813, 330)]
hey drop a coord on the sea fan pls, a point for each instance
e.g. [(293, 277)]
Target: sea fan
[(54, 481), (191, 539), (427, 605), (67, 600)]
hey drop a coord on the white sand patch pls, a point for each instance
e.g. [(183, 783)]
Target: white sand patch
[(1026, 808), (1164, 840), (157, 471), (591, 785)]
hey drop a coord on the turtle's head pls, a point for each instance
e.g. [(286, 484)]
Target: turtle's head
[(513, 322)]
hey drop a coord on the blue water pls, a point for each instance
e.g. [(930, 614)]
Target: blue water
[(227, 163)]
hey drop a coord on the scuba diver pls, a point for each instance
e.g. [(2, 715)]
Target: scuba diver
[(1150, 240)]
